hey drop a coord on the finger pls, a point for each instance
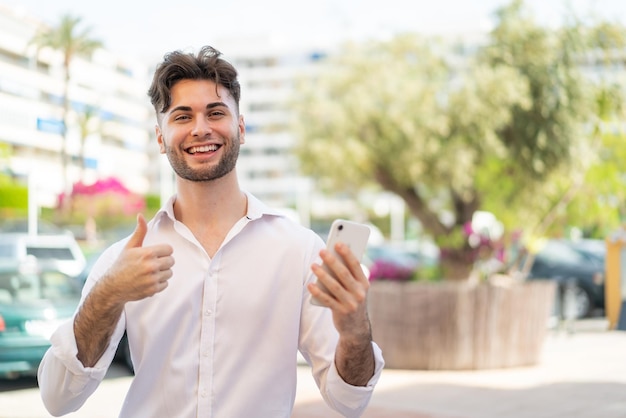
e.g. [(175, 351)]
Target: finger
[(164, 275), (162, 250), (350, 285), (351, 262), (325, 299), (334, 287), (334, 276), (136, 239), (317, 293), (165, 263), (337, 264)]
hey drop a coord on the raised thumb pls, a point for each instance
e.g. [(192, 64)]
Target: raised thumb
[(136, 239)]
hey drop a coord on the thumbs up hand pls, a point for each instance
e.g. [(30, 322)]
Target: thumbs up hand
[(136, 239), (139, 272)]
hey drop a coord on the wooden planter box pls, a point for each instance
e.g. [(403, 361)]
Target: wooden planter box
[(459, 325)]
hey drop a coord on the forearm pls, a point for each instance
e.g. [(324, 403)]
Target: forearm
[(354, 360), (95, 323)]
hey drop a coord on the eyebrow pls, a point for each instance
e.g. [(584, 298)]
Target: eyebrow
[(188, 108)]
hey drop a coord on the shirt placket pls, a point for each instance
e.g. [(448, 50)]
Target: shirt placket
[(207, 341)]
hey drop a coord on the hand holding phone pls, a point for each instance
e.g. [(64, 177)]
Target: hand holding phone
[(352, 234)]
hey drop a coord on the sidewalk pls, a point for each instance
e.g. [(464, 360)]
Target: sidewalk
[(580, 375)]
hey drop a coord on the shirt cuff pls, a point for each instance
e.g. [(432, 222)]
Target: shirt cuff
[(355, 397), (65, 350)]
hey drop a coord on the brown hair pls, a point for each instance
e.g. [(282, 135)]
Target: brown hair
[(177, 66)]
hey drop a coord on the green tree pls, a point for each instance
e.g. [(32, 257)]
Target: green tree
[(451, 136), (599, 207), (13, 198), (72, 41), (13, 195)]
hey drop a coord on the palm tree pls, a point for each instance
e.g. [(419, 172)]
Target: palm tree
[(85, 127), (69, 39)]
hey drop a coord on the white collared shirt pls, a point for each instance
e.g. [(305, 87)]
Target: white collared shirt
[(222, 339)]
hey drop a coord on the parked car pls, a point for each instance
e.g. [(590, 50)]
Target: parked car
[(34, 301), (390, 262), (57, 251), (579, 265), (403, 260), (593, 249)]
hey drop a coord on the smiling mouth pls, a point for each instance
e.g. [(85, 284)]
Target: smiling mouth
[(203, 148)]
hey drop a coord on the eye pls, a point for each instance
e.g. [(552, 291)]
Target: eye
[(181, 117), (216, 114)]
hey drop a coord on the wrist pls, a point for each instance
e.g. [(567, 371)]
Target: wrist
[(108, 295)]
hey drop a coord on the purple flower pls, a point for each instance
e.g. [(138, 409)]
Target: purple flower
[(385, 270)]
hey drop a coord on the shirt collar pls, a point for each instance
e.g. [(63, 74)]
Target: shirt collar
[(256, 208)]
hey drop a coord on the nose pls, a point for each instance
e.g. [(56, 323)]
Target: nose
[(202, 127)]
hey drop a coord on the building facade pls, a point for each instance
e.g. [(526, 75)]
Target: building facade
[(110, 126), (108, 122), (268, 167)]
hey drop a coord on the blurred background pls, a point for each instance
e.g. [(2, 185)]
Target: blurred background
[(475, 138)]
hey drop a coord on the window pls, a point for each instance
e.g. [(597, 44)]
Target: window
[(50, 253)]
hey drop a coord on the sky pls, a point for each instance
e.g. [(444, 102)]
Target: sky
[(147, 30)]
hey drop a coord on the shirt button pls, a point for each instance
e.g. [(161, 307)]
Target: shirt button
[(208, 312), (206, 354), (203, 394)]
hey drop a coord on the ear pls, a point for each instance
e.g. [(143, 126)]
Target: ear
[(242, 130), (159, 136)]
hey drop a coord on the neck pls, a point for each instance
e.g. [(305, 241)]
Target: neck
[(209, 205)]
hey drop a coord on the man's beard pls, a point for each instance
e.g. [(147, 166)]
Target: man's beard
[(225, 165)]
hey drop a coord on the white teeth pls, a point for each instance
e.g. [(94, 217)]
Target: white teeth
[(204, 148)]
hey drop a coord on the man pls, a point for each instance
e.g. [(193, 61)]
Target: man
[(214, 292)]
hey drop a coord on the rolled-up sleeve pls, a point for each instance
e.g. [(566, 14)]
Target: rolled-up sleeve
[(65, 384), (349, 400)]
